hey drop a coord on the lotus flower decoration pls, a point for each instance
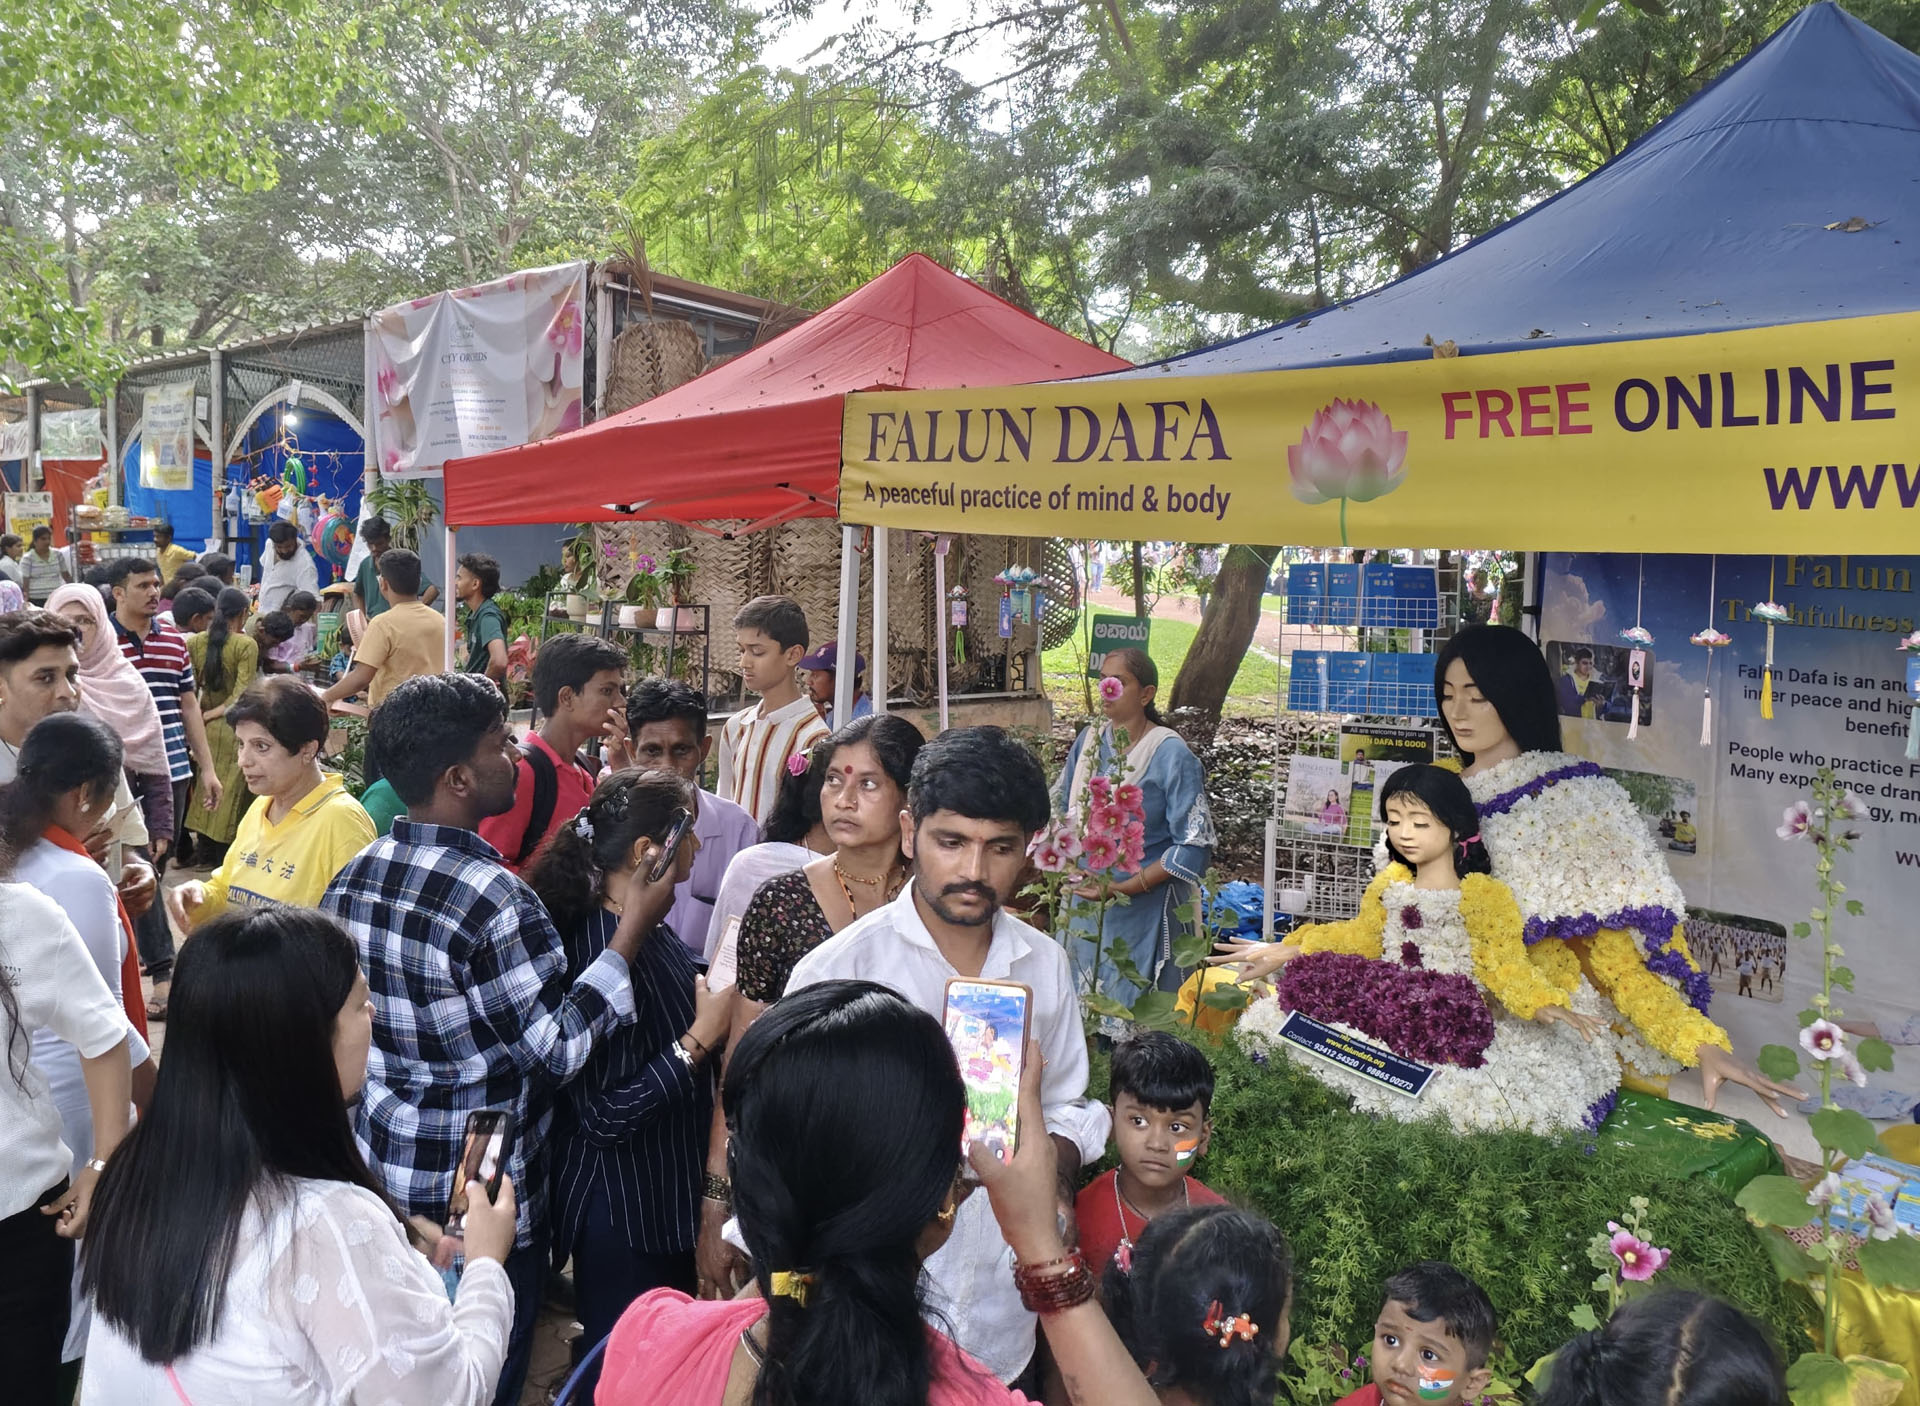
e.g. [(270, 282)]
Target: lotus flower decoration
[(1349, 451)]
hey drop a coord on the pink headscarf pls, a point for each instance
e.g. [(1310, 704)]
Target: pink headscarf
[(10, 597), (112, 689)]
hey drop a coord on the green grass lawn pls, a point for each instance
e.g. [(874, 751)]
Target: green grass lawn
[(1254, 687)]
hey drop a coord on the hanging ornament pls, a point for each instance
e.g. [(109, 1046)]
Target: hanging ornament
[(1773, 613), (1712, 639), (1639, 635), (1911, 645)]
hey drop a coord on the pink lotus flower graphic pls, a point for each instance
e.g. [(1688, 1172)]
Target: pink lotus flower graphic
[(566, 330), (1350, 451)]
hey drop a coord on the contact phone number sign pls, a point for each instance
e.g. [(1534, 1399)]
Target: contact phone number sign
[(1369, 1061)]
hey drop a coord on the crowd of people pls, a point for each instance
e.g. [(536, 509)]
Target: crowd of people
[(714, 1017)]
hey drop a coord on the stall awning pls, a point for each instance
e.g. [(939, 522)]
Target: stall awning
[(759, 438)]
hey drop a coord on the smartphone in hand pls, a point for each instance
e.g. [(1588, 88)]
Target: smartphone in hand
[(987, 1024), (483, 1158), (670, 846)]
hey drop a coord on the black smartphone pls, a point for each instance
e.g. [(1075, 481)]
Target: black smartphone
[(483, 1158), (670, 846)]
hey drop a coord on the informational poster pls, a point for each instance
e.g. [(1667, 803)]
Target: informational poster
[(16, 440), (26, 511), (1840, 699), (166, 438), (70, 434), (478, 369)]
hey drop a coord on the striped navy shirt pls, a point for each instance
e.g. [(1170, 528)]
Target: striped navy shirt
[(635, 1122), (162, 659)]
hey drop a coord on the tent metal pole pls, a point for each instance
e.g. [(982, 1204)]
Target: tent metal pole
[(217, 451), (453, 604), (940, 545), (849, 617), (877, 675)]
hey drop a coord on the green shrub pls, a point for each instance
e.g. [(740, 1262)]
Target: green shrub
[(1359, 1198)]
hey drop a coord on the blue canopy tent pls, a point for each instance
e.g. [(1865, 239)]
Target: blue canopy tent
[(1721, 217)]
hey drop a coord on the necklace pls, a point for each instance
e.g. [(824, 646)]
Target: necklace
[(1123, 1252), (842, 875)]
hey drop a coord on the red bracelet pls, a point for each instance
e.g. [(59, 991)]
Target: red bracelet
[(1042, 1292)]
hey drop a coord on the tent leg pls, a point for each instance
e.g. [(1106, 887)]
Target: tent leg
[(940, 620), (452, 604), (849, 617), (877, 676)]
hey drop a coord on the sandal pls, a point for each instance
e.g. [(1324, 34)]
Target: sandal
[(157, 1005)]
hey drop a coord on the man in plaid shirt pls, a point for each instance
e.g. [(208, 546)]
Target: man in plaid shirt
[(472, 1008)]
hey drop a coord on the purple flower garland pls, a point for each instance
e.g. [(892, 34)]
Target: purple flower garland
[(1434, 1017), (1598, 1113), (1507, 800)]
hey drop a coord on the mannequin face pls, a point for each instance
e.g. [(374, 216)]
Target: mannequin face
[(1475, 722), (1417, 834)]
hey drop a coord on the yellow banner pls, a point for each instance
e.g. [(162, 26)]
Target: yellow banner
[(1797, 438)]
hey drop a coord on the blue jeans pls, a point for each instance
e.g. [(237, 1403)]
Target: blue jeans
[(608, 1276), (527, 1271)]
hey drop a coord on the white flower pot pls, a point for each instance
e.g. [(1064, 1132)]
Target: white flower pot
[(576, 606), (638, 617)]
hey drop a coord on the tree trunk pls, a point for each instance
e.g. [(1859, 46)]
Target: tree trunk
[(1139, 583), (1225, 632)]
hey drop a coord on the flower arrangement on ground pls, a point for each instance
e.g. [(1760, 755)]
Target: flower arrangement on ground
[(1889, 1257)]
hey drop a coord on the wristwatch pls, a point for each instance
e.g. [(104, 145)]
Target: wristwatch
[(716, 1188)]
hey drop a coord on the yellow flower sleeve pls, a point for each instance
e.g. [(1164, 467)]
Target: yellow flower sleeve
[(1557, 962), (1500, 951), (1654, 1008), (1360, 935)]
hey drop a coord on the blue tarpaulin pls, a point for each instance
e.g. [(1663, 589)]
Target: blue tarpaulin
[(1716, 219)]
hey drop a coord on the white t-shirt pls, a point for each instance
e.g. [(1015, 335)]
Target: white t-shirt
[(746, 871), (56, 987), (326, 1303), (280, 579), (970, 1278)]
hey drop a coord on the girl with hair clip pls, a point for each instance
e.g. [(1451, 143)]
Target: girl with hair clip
[(630, 1135), (1203, 1306), (1177, 843), (1672, 1348), (1435, 968), (846, 1109)]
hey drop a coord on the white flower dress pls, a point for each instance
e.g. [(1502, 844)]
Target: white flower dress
[(1545, 1079)]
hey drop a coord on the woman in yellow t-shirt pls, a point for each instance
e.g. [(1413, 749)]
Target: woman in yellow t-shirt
[(301, 829)]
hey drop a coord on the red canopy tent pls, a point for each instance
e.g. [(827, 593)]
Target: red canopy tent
[(759, 438)]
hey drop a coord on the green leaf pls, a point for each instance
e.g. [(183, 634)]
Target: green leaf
[(1789, 1261), (1227, 998), (1105, 1005), (1892, 1264), (1803, 929), (1856, 908), (1875, 1055), (1816, 1379), (1590, 16), (1776, 1200), (1842, 977), (1541, 1373), (1807, 1018), (1155, 1010), (1778, 1062), (1583, 1317), (1192, 950), (1844, 1131)]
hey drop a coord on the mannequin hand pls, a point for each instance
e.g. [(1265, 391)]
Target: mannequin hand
[(1588, 1027), (1256, 960), (1718, 1067)]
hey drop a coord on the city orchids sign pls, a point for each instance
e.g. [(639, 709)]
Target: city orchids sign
[(1794, 437)]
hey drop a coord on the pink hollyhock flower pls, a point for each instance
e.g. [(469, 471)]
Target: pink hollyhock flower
[(1111, 688), (1048, 859), (1100, 852), (1850, 1067), (1824, 1192), (1068, 843), (1099, 787), (1131, 796), (1350, 450), (1852, 807), (1824, 1040), (1107, 818), (1639, 1261), (1795, 821)]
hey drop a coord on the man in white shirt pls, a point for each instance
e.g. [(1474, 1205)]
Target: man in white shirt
[(285, 568), (976, 800)]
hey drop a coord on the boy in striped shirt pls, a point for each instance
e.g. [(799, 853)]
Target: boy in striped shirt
[(756, 741)]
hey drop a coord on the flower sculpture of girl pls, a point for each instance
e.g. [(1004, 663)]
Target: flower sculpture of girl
[(1435, 968)]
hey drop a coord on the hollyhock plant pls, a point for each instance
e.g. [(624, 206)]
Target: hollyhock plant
[(1639, 1261), (1881, 1222), (1111, 688), (1109, 818), (1100, 852), (1131, 796), (1795, 821), (1350, 451)]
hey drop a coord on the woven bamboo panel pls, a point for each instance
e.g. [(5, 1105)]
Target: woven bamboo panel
[(650, 358)]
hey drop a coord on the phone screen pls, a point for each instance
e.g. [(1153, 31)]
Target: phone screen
[(483, 1158), (670, 846), (986, 1024)]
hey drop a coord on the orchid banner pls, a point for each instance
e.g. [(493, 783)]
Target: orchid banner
[(1839, 681), (477, 369), (1738, 441)]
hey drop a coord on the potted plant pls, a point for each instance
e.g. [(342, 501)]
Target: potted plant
[(643, 595), (676, 576), (577, 577)]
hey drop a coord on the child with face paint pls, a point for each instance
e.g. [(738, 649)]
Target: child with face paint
[(1160, 1089), (1431, 1340)]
